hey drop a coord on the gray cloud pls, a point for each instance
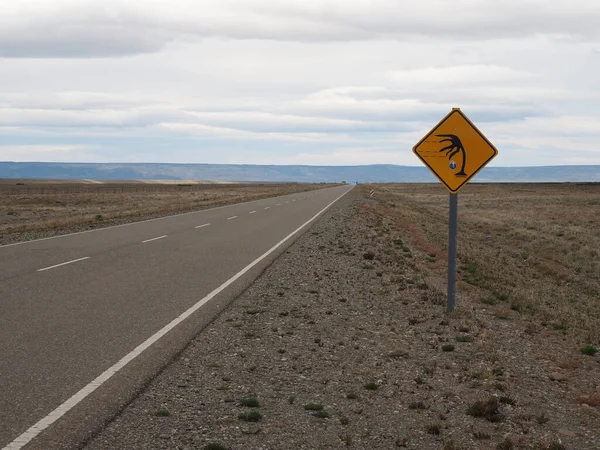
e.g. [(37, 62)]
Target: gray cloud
[(86, 29), (77, 42), (38, 29)]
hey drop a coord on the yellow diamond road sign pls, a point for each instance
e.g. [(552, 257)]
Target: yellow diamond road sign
[(455, 150)]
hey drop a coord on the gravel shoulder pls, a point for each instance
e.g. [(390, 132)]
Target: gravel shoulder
[(343, 342)]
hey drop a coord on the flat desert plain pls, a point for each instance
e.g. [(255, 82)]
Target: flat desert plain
[(32, 209)]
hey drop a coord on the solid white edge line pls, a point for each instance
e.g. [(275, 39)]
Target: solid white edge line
[(141, 221), (232, 217), (202, 226), (62, 409), (63, 264), (155, 239)]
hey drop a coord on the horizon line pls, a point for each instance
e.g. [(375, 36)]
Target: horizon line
[(281, 165)]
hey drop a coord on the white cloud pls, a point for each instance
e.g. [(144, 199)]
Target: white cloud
[(105, 117), (261, 121), (70, 100), (460, 75), (209, 132), (38, 152)]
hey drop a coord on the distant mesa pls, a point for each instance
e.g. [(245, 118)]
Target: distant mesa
[(220, 173)]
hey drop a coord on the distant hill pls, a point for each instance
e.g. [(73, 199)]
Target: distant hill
[(382, 173)]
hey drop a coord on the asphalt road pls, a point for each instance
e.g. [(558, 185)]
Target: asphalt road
[(74, 306)]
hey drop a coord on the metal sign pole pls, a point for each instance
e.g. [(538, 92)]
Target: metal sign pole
[(452, 252)]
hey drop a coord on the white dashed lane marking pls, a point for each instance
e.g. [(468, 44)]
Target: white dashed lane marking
[(202, 226), (155, 239), (63, 264)]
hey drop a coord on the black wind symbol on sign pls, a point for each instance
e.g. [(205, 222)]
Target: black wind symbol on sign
[(454, 147)]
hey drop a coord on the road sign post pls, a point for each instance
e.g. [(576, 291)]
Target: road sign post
[(453, 219), (455, 151)]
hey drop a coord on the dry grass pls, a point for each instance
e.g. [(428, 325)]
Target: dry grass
[(62, 210), (530, 248)]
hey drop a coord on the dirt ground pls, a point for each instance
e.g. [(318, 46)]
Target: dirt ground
[(34, 210), (344, 341)]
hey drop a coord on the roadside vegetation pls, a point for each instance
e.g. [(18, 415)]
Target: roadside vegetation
[(529, 251)]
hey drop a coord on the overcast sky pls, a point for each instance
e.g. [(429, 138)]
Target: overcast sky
[(332, 82)]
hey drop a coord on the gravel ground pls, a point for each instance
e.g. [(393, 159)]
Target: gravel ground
[(344, 342)]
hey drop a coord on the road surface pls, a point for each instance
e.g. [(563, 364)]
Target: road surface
[(87, 318)]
